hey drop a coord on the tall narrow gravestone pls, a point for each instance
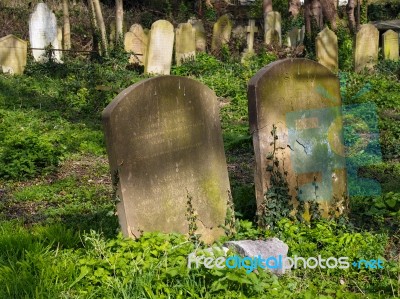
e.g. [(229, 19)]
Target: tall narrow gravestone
[(43, 32), (135, 41), (293, 38), (391, 45), (13, 53), (200, 35), (161, 44), (222, 31), (273, 33), (165, 148), (185, 43), (367, 44), (326, 45), (301, 99)]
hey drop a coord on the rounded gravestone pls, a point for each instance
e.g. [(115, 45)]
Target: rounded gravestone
[(301, 98), (164, 144)]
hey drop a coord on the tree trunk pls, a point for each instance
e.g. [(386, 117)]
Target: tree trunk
[(350, 14), (294, 7), (316, 13), (267, 7), (67, 27), (307, 15), (102, 27), (329, 11), (313, 14), (119, 20), (93, 15)]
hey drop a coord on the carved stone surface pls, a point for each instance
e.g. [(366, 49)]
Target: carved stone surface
[(164, 144)]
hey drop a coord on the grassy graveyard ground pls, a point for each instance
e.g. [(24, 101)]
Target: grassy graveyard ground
[(58, 229)]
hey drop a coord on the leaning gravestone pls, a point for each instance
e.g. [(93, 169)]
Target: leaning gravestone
[(135, 41), (222, 31), (301, 98), (161, 44), (326, 45), (13, 53), (391, 45), (164, 144), (43, 32), (366, 52), (185, 43), (272, 33), (200, 35)]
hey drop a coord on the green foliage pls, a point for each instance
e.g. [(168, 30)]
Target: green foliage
[(276, 200), (23, 152), (255, 10), (387, 204), (345, 50), (382, 90), (383, 11), (191, 217)]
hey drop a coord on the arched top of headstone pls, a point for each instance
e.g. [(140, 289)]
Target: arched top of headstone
[(391, 32), (154, 84), (162, 24), (136, 28), (298, 69)]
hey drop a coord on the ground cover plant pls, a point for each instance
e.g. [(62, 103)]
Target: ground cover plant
[(59, 232)]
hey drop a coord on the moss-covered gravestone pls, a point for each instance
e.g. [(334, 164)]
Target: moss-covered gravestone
[(391, 45), (200, 35), (185, 43), (326, 45), (366, 48), (166, 154), (135, 41), (222, 31), (13, 53), (272, 30), (161, 44), (295, 120)]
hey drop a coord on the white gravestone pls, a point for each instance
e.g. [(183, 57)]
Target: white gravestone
[(43, 32), (159, 54)]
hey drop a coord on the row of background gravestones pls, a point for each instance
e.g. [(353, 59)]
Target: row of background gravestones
[(166, 153), (154, 48)]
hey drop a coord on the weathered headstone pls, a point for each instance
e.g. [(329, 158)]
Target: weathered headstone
[(161, 45), (301, 99), (293, 38), (272, 33), (185, 43), (13, 53), (302, 34), (200, 35), (366, 51), (43, 32), (391, 45), (326, 45), (222, 31), (165, 149), (136, 41)]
